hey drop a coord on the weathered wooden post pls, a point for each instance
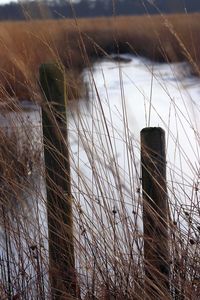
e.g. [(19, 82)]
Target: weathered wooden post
[(57, 168), (155, 213)]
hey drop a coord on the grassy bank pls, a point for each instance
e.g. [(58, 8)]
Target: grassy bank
[(77, 43)]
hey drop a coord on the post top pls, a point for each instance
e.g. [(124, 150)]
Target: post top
[(152, 129)]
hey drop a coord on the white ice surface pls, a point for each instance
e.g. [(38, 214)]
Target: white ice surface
[(144, 94)]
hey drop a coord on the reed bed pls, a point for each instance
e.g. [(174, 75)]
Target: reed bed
[(107, 199), (77, 43)]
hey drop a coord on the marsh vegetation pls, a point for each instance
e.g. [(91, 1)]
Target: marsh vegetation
[(106, 188)]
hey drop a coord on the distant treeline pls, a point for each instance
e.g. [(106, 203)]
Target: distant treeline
[(93, 8)]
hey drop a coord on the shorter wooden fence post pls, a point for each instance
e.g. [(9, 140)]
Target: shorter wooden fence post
[(155, 213), (57, 168)]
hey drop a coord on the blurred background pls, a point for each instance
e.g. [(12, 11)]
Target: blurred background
[(56, 9)]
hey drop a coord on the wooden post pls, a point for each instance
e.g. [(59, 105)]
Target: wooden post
[(155, 213), (57, 168)]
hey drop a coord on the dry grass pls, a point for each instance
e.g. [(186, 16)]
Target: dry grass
[(77, 43), (107, 199)]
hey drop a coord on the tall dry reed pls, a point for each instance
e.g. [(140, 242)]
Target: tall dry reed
[(25, 45), (107, 199)]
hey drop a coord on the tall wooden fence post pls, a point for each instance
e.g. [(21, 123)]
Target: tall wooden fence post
[(155, 213), (57, 168)]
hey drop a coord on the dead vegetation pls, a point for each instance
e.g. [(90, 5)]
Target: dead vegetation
[(108, 245), (77, 43)]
